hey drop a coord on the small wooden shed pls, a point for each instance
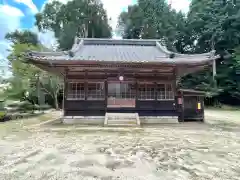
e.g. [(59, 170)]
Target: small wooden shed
[(191, 104)]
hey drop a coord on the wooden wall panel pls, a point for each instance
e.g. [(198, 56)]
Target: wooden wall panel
[(165, 105), (84, 105)]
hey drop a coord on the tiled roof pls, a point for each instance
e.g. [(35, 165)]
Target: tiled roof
[(123, 50)]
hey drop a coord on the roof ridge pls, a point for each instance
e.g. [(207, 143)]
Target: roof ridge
[(118, 42), (92, 39)]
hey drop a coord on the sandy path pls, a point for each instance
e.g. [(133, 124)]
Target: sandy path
[(223, 116), (175, 152)]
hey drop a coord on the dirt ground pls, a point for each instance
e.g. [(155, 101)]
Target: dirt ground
[(185, 151)]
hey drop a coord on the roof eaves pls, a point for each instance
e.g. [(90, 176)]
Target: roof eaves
[(192, 91), (210, 54), (46, 54), (163, 60)]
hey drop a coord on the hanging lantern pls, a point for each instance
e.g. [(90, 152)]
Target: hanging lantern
[(199, 107), (179, 100), (121, 78)]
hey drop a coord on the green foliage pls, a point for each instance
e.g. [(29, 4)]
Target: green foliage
[(216, 25), (28, 82), (209, 25), (23, 37), (51, 85), (76, 18), (154, 19)]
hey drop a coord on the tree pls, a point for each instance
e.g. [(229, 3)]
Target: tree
[(51, 85), (27, 77), (76, 18), (209, 25), (215, 25), (23, 37), (130, 23), (153, 19), (233, 88)]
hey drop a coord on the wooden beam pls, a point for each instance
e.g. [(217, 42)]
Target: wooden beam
[(115, 66), (126, 79), (127, 70)]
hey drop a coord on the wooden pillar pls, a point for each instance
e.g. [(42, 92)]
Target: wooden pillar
[(86, 85), (106, 93), (174, 87), (182, 107), (136, 93), (155, 91), (65, 91), (203, 108)]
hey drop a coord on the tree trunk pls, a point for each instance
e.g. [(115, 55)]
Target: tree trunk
[(56, 101), (93, 33)]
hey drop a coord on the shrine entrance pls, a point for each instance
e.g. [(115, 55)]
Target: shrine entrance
[(121, 95)]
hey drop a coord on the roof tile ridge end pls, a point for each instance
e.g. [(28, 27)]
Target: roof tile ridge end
[(163, 48), (78, 43)]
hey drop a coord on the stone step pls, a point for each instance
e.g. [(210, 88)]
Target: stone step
[(122, 122), (125, 119), (122, 119), (122, 125), (122, 114)]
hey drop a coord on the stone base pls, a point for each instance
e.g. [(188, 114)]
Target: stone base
[(85, 120), (99, 120), (159, 119)]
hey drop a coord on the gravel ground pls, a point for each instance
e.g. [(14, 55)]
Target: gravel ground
[(177, 152)]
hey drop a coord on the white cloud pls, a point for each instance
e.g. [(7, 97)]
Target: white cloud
[(30, 4), (114, 8), (46, 38), (180, 5), (10, 11), (9, 21)]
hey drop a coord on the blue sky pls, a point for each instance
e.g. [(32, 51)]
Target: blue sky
[(19, 14)]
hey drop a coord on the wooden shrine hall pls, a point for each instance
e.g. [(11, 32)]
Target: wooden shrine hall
[(136, 78)]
